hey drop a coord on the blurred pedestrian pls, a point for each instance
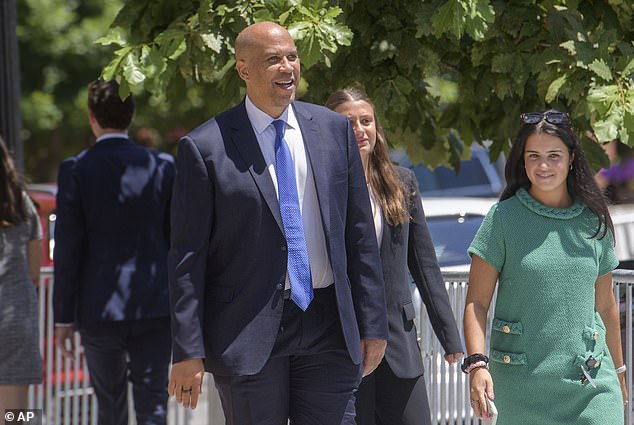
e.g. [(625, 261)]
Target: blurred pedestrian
[(395, 392), (20, 255), (555, 355), (111, 242)]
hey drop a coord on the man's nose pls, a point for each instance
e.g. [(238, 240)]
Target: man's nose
[(285, 64)]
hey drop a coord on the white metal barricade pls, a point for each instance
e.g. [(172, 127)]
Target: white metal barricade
[(67, 398)]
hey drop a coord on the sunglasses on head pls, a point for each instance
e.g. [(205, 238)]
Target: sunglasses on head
[(555, 118)]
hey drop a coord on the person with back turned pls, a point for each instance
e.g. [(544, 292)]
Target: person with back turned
[(112, 237)]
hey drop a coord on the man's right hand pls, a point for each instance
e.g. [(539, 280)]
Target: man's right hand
[(186, 382), (65, 340)]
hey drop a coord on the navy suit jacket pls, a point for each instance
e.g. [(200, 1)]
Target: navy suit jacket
[(409, 246), (112, 234), (227, 262)]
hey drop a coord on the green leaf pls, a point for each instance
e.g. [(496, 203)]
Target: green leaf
[(310, 50), (600, 68), (629, 69), (554, 87), (594, 153), (449, 18), (481, 14), (212, 41), (114, 36), (131, 71), (607, 129)]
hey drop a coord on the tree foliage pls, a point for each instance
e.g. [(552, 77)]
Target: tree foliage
[(58, 58), (442, 73)]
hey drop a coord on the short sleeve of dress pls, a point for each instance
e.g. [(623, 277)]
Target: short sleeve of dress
[(488, 243), (34, 220), (607, 257)]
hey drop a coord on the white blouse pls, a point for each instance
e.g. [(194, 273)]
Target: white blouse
[(377, 214)]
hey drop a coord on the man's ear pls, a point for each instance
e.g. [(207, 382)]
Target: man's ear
[(242, 68)]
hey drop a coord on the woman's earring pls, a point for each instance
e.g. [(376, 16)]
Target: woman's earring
[(571, 166)]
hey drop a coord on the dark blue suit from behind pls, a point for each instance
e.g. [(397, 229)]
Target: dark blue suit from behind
[(112, 239)]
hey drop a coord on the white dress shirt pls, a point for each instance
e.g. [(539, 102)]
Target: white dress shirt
[(377, 214), (112, 136), (261, 122)]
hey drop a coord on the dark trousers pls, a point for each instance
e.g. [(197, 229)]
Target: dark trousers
[(385, 399), (138, 351), (308, 379)]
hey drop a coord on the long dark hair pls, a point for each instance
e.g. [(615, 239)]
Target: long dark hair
[(12, 209), (384, 181), (580, 181)]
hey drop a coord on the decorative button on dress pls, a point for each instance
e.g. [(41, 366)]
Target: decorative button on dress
[(546, 331)]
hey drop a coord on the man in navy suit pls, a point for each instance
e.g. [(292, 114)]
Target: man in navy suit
[(237, 302), (112, 238)]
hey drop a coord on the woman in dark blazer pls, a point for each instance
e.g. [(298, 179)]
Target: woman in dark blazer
[(395, 392)]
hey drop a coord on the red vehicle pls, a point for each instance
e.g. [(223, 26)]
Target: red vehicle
[(44, 197)]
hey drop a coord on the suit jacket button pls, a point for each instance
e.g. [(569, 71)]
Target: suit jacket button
[(596, 335), (506, 358), (283, 248), (279, 287), (506, 329)]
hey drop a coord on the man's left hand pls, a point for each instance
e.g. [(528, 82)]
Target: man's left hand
[(373, 351), (453, 357)]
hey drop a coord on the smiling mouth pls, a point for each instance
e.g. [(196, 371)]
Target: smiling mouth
[(286, 84)]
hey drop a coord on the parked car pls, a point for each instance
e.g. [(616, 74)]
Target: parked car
[(478, 176), (453, 223)]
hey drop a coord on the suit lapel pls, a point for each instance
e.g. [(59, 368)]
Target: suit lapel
[(317, 156), (246, 143)]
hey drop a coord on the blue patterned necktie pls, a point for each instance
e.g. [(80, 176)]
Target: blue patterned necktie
[(298, 266)]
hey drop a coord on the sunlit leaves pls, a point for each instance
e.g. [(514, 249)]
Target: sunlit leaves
[(443, 73)]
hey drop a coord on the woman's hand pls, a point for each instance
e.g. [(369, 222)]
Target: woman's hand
[(623, 388), (481, 387)]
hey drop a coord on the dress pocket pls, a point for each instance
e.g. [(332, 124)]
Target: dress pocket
[(508, 358), (513, 328)]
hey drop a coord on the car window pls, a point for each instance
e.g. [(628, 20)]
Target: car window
[(477, 176), (471, 174), (452, 235)]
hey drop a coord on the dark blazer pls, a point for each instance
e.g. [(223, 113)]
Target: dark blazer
[(112, 234), (409, 247), (227, 262)]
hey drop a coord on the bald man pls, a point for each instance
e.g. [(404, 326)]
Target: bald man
[(275, 279)]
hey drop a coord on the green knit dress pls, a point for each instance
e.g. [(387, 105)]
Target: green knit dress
[(545, 325)]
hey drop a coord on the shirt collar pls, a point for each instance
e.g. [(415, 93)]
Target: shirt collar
[(261, 120), (112, 136)]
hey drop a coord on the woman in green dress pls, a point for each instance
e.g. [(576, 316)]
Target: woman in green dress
[(555, 354)]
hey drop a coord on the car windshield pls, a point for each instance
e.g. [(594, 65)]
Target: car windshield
[(452, 235), (477, 176)]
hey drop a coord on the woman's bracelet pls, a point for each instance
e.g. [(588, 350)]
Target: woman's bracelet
[(472, 359), (476, 365), (621, 369)]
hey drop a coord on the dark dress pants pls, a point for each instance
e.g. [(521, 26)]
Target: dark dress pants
[(385, 399), (135, 350), (309, 378)]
